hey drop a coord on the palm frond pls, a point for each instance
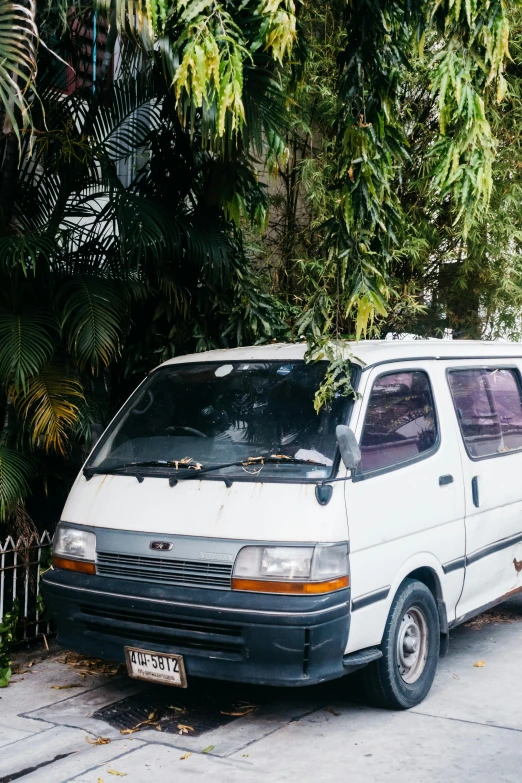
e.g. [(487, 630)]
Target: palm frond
[(24, 250), (93, 319), (15, 471), (127, 117), (50, 406), (142, 227), (26, 344), (18, 36), (266, 112)]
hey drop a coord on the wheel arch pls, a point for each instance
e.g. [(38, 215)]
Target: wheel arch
[(428, 570)]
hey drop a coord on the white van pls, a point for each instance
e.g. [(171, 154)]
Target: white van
[(221, 528)]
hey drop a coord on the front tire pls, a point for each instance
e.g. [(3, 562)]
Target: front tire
[(410, 645)]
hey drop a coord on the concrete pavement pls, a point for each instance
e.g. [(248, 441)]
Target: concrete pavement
[(468, 729)]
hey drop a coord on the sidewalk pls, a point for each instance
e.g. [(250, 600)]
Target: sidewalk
[(468, 729)]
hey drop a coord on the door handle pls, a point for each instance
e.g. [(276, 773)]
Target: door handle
[(475, 491), (445, 480)]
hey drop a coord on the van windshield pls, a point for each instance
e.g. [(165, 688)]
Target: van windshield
[(213, 413)]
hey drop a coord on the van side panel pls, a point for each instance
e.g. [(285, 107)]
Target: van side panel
[(493, 492), (406, 518)]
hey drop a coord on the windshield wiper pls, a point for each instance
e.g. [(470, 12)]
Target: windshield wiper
[(282, 459), (189, 471), (259, 461), (89, 472)]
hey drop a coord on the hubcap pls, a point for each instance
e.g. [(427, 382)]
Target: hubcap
[(412, 645)]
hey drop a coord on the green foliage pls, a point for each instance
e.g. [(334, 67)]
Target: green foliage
[(26, 344), (121, 238), (92, 319), (7, 636), (50, 404), (465, 72), (388, 220), (18, 39), (15, 473), (337, 378), (207, 46)]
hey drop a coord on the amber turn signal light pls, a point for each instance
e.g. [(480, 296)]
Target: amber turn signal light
[(298, 588), (81, 566)]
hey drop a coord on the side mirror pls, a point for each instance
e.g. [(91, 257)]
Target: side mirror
[(350, 451)]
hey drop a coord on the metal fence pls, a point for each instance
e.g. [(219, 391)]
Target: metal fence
[(20, 565)]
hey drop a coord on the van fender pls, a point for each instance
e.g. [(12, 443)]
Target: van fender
[(368, 619), (415, 563)]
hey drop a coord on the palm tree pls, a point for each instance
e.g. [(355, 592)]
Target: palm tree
[(96, 266)]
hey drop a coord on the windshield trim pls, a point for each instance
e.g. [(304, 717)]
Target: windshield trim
[(167, 472)]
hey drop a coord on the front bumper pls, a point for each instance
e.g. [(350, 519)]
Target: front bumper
[(222, 634)]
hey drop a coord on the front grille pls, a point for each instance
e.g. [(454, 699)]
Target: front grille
[(164, 570), (180, 624), (184, 633)]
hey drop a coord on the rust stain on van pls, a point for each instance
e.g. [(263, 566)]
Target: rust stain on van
[(517, 564), (511, 593), (101, 483), (257, 488)]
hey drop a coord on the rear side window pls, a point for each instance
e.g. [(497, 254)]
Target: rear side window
[(400, 422), (488, 403)]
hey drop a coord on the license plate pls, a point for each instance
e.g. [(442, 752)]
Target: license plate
[(155, 667)]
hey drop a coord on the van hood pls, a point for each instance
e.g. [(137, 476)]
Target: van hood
[(255, 511)]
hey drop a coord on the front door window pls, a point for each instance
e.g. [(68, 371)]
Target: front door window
[(400, 421)]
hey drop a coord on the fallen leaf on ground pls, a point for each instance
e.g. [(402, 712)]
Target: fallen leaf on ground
[(245, 755), (240, 709), (66, 687), (332, 711), (152, 720), (493, 616), (137, 727), (185, 729), (100, 780), (115, 772), (479, 664), (210, 747), (185, 756), (90, 666), (178, 709), (99, 741)]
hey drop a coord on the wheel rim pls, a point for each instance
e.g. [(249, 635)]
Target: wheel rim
[(412, 645)]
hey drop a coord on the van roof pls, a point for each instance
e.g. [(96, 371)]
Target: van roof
[(365, 352)]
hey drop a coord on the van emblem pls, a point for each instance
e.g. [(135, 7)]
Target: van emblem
[(161, 546)]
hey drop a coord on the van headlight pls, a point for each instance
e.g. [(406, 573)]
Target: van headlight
[(291, 569), (74, 549)]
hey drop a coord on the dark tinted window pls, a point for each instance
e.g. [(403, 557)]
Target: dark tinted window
[(216, 413), (489, 410), (400, 420)]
